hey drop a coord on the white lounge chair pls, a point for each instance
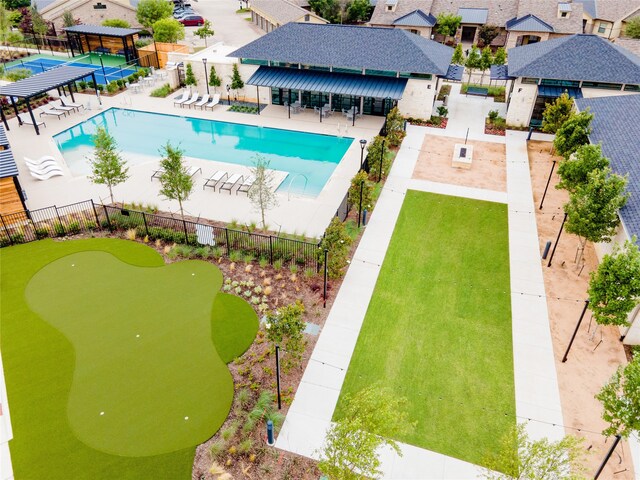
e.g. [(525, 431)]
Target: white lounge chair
[(58, 106), (215, 101), (246, 184), (46, 176), (192, 100), (181, 99), (26, 119), (67, 102), (48, 110), (45, 169), (191, 171), (41, 162), (230, 183), (214, 179), (200, 103)]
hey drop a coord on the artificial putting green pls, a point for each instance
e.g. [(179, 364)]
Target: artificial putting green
[(438, 327), (113, 365)]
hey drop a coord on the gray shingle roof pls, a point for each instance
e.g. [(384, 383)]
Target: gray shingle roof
[(100, 30), (616, 125), (575, 57), (417, 18), (589, 7), (281, 11), (473, 15), (498, 11), (381, 16), (528, 23), (349, 46), (547, 11), (611, 10)]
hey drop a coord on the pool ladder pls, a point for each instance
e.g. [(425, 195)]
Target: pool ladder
[(306, 181)]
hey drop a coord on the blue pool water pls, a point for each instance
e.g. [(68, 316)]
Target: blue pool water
[(310, 159)]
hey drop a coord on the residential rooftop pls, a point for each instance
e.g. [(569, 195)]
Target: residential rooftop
[(611, 10), (616, 125), (348, 46), (282, 11), (577, 57)]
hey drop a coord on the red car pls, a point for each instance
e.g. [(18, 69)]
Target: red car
[(191, 20)]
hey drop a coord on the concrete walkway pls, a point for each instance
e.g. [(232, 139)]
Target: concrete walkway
[(537, 394)]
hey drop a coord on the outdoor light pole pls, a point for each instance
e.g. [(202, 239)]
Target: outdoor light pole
[(557, 240), (229, 93), (606, 459), (206, 78), (363, 143), (324, 296), (547, 186), (381, 156)]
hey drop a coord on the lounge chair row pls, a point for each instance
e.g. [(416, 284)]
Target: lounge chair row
[(191, 171), (225, 182), (195, 99), (44, 168), (58, 109)]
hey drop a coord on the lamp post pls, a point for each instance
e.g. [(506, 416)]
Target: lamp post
[(206, 77), (229, 93), (363, 144), (381, 157)]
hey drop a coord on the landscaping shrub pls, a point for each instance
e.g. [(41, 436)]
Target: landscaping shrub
[(337, 242), (395, 127), (361, 178), (162, 91), (445, 90), (493, 114), (120, 84), (435, 120), (82, 85), (73, 227), (59, 229), (18, 74), (375, 149), (443, 111), (112, 87)]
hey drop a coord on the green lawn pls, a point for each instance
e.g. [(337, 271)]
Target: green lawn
[(115, 363), (438, 328)]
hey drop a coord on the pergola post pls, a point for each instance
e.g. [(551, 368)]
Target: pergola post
[(15, 109), (4, 119), (33, 118), (71, 92), (257, 96)]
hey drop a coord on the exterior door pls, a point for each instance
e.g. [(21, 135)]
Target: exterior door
[(468, 34)]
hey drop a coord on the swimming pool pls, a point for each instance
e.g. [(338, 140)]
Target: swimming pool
[(309, 158)]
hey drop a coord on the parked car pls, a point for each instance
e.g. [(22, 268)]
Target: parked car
[(191, 20), (183, 13)]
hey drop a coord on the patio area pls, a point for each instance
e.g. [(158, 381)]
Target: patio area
[(293, 214)]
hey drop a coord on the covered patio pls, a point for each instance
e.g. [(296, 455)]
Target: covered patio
[(31, 87), (330, 92), (109, 40)]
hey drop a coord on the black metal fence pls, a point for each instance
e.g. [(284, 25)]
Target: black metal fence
[(87, 216), (344, 208)]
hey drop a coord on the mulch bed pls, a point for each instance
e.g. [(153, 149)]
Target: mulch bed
[(427, 123), (491, 129)]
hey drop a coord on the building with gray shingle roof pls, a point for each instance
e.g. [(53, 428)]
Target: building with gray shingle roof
[(607, 17), (417, 18), (347, 66), (271, 14), (581, 65)]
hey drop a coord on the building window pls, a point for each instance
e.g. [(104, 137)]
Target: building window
[(413, 30), (307, 18), (531, 81), (632, 88), (99, 6), (389, 8), (605, 86), (564, 14), (560, 83), (602, 28)]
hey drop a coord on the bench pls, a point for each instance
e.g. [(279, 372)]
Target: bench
[(479, 91)]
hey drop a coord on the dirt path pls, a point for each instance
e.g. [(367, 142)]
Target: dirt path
[(596, 353)]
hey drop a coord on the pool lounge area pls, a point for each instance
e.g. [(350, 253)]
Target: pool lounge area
[(294, 213)]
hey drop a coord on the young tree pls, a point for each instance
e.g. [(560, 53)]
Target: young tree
[(632, 28), (107, 166), (574, 171), (38, 24), (614, 288), (176, 182), (284, 328), (204, 31), (522, 458), (116, 22), (485, 62), (368, 420), (262, 193), (337, 242), (395, 127), (14, 4), (487, 33), (168, 30), (328, 9), (149, 12), (473, 61), (592, 210), (68, 20), (458, 55), (5, 24), (214, 80), (376, 149), (573, 133), (359, 11), (621, 400), (360, 183), (236, 80), (500, 57), (190, 78), (448, 24), (556, 113)]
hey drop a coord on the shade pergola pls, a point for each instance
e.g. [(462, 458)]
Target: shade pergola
[(97, 38), (42, 83)]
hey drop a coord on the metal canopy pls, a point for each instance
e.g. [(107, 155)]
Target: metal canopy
[(554, 92), (4, 141), (45, 81), (500, 72), (8, 167), (103, 31), (455, 73), (329, 82)]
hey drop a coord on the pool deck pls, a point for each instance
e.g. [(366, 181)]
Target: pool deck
[(298, 214)]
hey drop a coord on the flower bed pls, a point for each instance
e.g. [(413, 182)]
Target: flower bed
[(434, 122), (493, 129)]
